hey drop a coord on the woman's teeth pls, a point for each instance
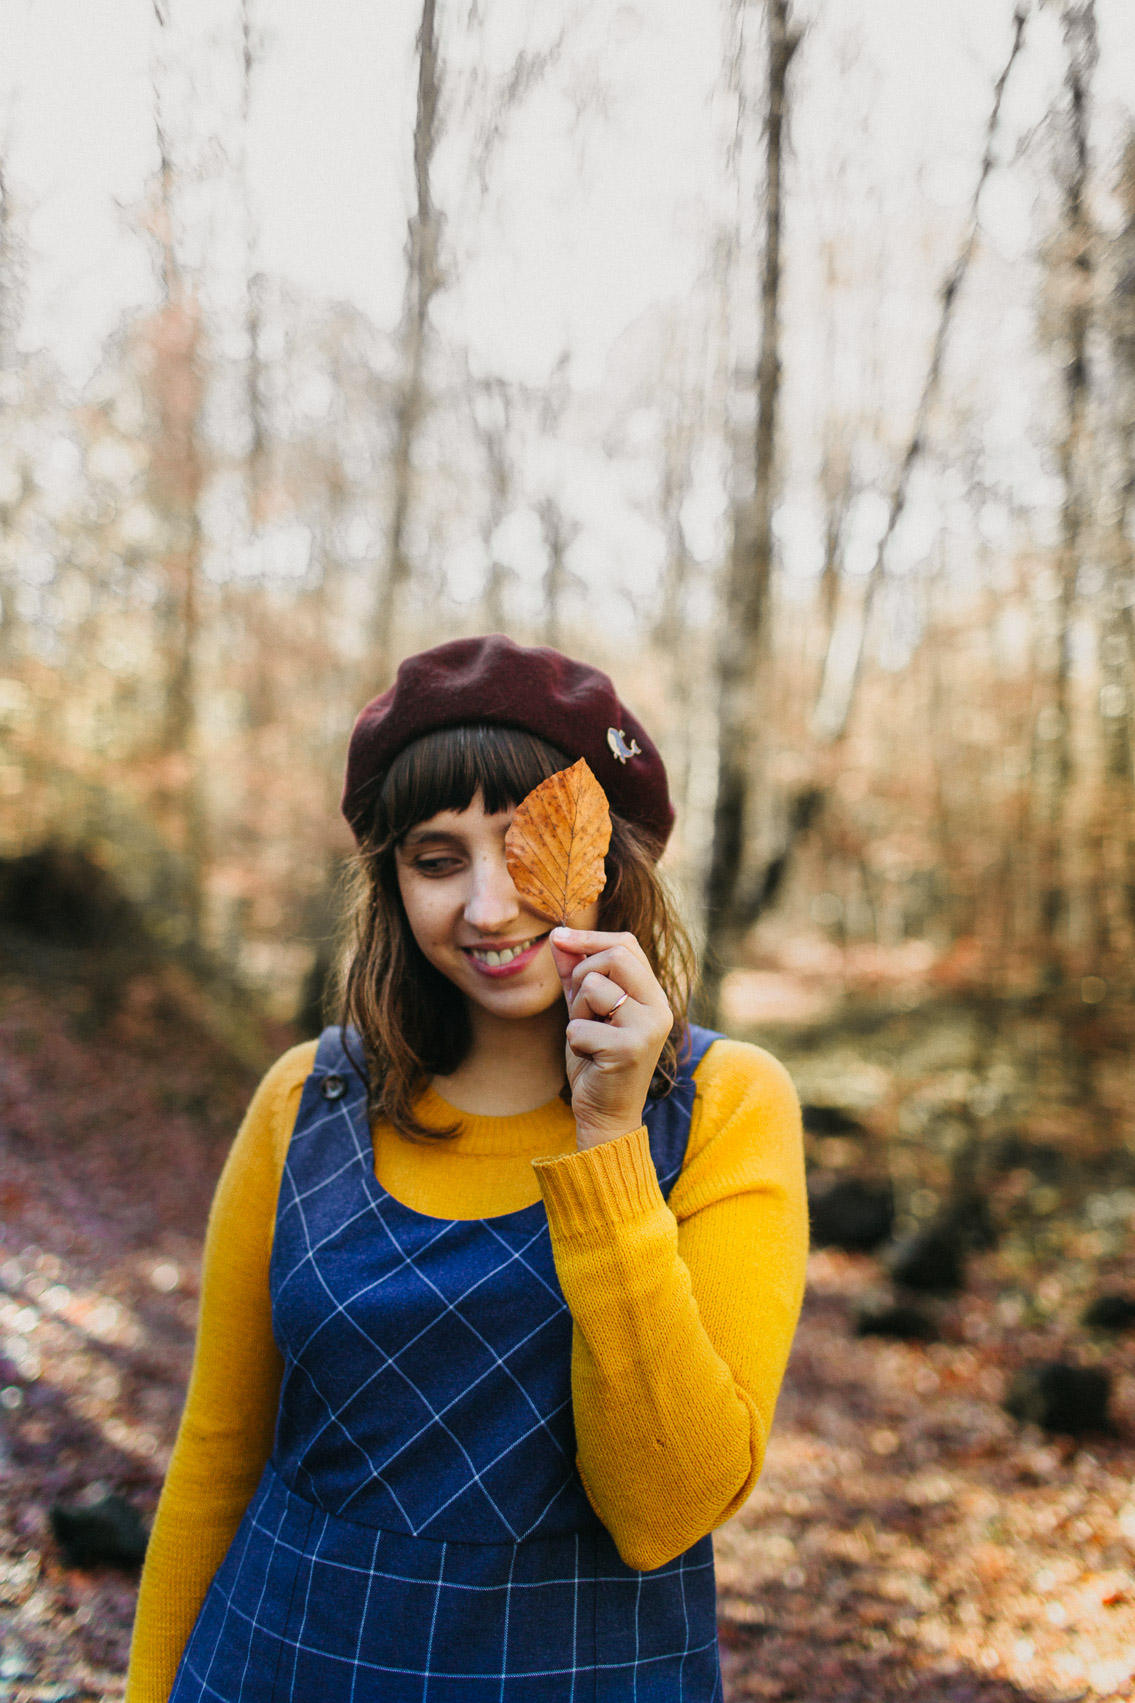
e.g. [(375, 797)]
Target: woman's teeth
[(505, 956)]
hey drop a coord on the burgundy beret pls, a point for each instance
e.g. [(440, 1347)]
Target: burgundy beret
[(491, 679)]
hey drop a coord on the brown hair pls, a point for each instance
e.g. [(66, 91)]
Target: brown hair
[(411, 1021)]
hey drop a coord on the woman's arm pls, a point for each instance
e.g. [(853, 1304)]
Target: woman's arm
[(684, 1311), (226, 1430)]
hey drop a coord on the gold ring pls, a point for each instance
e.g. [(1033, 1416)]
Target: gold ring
[(620, 1001)]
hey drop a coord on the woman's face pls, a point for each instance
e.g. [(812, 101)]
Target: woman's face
[(468, 918)]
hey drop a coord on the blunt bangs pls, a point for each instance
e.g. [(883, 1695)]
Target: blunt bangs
[(446, 770)]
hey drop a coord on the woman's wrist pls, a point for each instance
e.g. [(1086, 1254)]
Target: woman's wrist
[(595, 1134), (591, 1194)]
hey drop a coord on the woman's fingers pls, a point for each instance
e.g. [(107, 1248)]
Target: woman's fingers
[(619, 957), (618, 962), (614, 956), (611, 1048), (634, 1027), (598, 995), (585, 942)]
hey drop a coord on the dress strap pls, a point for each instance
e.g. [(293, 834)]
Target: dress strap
[(668, 1116), (700, 1042), (340, 1053)]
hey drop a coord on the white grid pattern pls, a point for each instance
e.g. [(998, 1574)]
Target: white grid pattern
[(545, 1617), (344, 1125), (351, 1676)]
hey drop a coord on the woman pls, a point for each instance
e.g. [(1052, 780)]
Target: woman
[(500, 1278)]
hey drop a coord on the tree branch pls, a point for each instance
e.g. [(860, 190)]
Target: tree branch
[(841, 671)]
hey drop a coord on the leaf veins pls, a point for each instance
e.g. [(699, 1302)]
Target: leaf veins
[(557, 842)]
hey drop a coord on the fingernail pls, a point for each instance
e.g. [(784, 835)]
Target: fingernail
[(560, 933)]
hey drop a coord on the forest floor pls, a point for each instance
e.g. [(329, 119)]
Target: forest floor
[(907, 1540)]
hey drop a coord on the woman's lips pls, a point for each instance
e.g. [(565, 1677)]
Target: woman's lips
[(479, 957)]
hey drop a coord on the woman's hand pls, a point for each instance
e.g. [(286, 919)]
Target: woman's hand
[(618, 1021)]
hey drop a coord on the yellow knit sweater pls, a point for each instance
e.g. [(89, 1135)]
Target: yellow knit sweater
[(684, 1313)]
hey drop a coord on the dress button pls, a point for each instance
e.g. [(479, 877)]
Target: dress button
[(333, 1087)]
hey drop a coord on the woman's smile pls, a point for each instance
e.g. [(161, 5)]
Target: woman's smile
[(505, 958)]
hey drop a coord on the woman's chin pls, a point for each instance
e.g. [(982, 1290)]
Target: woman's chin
[(522, 996)]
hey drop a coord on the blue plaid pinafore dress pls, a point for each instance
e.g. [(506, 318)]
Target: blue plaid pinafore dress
[(421, 1531)]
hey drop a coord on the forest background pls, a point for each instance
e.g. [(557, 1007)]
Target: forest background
[(810, 427), (778, 358)]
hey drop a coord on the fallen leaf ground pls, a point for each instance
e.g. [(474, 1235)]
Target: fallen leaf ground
[(907, 1539), (112, 1131)]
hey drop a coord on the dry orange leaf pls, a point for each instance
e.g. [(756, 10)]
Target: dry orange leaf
[(557, 841)]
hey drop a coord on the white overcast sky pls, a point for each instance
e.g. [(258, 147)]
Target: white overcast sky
[(585, 228), (589, 223)]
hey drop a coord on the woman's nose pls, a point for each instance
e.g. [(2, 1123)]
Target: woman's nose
[(493, 901)]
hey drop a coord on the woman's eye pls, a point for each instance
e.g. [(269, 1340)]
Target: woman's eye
[(436, 865)]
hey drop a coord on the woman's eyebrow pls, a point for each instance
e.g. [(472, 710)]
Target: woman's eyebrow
[(427, 836)]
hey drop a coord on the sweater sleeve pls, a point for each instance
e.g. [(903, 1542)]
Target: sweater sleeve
[(684, 1310), (226, 1429)]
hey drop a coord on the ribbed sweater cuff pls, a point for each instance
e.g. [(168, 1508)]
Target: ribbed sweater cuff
[(614, 1182)]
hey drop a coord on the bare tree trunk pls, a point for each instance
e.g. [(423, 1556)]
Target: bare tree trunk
[(9, 282), (559, 534), (253, 282), (491, 408), (1117, 627), (845, 661), (10, 623), (729, 910), (671, 632), (1075, 280), (837, 485), (681, 403), (745, 610), (423, 281), (176, 479)]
